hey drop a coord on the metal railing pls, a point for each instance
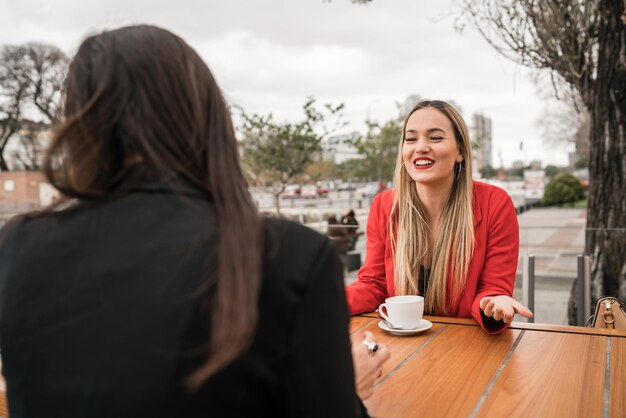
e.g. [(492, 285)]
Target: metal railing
[(584, 286), (528, 283), (583, 283)]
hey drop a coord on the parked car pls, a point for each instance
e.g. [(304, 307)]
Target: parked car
[(369, 190), (310, 191), (347, 186), (292, 191), (584, 183), (325, 186), (322, 191)]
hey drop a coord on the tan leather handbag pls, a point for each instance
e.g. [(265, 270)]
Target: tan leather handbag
[(609, 313)]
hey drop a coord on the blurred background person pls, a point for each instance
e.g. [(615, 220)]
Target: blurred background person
[(349, 221), (339, 235)]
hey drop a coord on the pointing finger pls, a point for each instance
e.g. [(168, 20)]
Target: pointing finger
[(522, 310)]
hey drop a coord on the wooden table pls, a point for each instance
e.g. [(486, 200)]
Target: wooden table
[(455, 369), (4, 411), (530, 370)]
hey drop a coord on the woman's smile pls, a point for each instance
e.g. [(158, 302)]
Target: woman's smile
[(423, 163)]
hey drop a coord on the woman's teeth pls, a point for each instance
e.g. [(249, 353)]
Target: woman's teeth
[(424, 162)]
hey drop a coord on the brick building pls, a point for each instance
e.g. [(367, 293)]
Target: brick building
[(24, 188)]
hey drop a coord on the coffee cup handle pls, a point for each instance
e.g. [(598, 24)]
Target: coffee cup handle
[(382, 312)]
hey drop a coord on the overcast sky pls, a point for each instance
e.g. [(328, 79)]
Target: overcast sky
[(270, 55)]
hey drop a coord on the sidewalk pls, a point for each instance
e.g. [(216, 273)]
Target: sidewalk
[(556, 237)]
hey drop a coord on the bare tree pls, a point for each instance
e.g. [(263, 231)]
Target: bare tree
[(584, 43), (31, 76), (14, 92), (565, 120), (33, 137), (46, 70)]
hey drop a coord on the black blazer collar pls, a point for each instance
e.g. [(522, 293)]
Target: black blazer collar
[(145, 179)]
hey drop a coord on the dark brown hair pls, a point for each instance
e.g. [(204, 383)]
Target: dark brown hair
[(140, 93)]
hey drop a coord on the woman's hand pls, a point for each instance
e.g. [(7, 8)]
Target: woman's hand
[(368, 366), (502, 307)]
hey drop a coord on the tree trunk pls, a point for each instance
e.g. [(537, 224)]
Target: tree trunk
[(7, 132), (605, 240), (277, 203), (3, 164)]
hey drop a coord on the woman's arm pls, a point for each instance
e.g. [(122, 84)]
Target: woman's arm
[(370, 289), (493, 304), (320, 375)]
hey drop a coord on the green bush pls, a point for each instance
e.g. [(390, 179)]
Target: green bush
[(564, 188), (552, 171)]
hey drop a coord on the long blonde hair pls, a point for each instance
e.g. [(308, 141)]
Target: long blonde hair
[(454, 246)]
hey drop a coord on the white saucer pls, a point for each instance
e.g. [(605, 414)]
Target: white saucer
[(423, 326)]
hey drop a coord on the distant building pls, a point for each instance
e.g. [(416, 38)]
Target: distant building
[(410, 102), (340, 148), (482, 135), (518, 164), (25, 189), (534, 184), (572, 159), (413, 99), (455, 105)]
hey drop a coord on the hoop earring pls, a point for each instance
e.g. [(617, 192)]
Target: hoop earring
[(457, 168)]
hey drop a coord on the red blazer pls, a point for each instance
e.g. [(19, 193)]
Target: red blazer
[(491, 272)]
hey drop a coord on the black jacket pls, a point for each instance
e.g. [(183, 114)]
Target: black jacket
[(104, 312)]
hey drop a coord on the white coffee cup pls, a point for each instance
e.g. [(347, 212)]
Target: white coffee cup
[(403, 312)]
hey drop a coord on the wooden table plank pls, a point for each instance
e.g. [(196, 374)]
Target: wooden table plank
[(550, 374), (4, 411), (357, 322), (401, 347), (447, 320), (618, 378), (373, 314), (446, 377), (524, 325), (569, 329)]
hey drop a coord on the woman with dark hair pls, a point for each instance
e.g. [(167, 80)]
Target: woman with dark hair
[(440, 234), (153, 287), (352, 228)]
